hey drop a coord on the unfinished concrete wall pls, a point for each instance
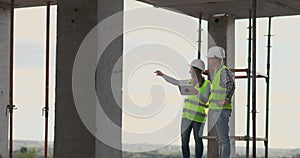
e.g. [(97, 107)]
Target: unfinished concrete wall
[(4, 79), (75, 20), (222, 29)]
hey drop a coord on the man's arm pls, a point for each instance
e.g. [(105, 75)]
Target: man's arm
[(228, 83)]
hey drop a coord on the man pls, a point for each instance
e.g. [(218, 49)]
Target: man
[(220, 106)]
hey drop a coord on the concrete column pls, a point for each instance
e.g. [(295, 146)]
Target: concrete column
[(222, 29), (109, 73), (75, 20), (4, 79)]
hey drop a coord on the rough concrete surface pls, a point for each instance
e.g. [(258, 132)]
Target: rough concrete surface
[(4, 78)]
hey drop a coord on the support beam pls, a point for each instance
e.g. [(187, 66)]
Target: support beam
[(249, 84), (199, 36), (75, 20), (4, 78), (268, 89), (71, 139), (221, 31), (109, 77), (46, 108), (254, 7), (188, 2), (11, 78)]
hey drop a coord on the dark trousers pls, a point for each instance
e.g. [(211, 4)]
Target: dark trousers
[(186, 129)]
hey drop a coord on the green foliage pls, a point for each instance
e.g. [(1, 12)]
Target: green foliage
[(24, 153)]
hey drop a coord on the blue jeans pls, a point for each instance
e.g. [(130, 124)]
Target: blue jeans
[(221, 120), (186, 128)]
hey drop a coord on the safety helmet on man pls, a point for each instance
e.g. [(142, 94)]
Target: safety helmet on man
[(216, 52)]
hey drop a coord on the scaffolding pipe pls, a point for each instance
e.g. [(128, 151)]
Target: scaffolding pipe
[(249, 85), (268, 88), (254, 7), (46, 108), (199, 36), (246, 77), (239, 70), (11, 75)]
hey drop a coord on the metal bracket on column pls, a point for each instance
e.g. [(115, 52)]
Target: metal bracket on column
[(10, 108), (45, 110), (254, 111)]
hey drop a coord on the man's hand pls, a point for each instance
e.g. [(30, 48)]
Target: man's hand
[(158, 73), (222, 102)]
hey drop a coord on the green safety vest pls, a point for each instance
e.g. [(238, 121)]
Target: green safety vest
[(218, 93), (194, 109)]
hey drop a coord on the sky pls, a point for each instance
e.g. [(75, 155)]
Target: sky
[(29, 79), (140, 82)]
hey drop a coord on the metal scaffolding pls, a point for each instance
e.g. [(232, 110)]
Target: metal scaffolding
[(249, 84), (199, 36), (254, 5), (46, 108), (253, 76), (268, 89)]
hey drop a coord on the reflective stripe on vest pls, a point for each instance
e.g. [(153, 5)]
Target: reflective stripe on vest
[(196, 103), (218, 93), (194, 113), (194, 109)]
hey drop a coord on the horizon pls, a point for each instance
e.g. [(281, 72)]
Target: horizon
[(52, 142)]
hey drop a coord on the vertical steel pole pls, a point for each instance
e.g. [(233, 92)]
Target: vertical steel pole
[(46, 109), (249, 85), (254, 5), (11, 77), (199, 36), (268, 88)]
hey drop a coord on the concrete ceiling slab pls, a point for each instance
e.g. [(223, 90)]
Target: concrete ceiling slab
[(237, 8), (24, 3)]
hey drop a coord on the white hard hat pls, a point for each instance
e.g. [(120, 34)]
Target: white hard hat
[(198, 64), (216, 52)]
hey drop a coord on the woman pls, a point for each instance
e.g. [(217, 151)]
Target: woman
[(195, 105)]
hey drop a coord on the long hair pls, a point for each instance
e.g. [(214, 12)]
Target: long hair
[(199, 76)]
